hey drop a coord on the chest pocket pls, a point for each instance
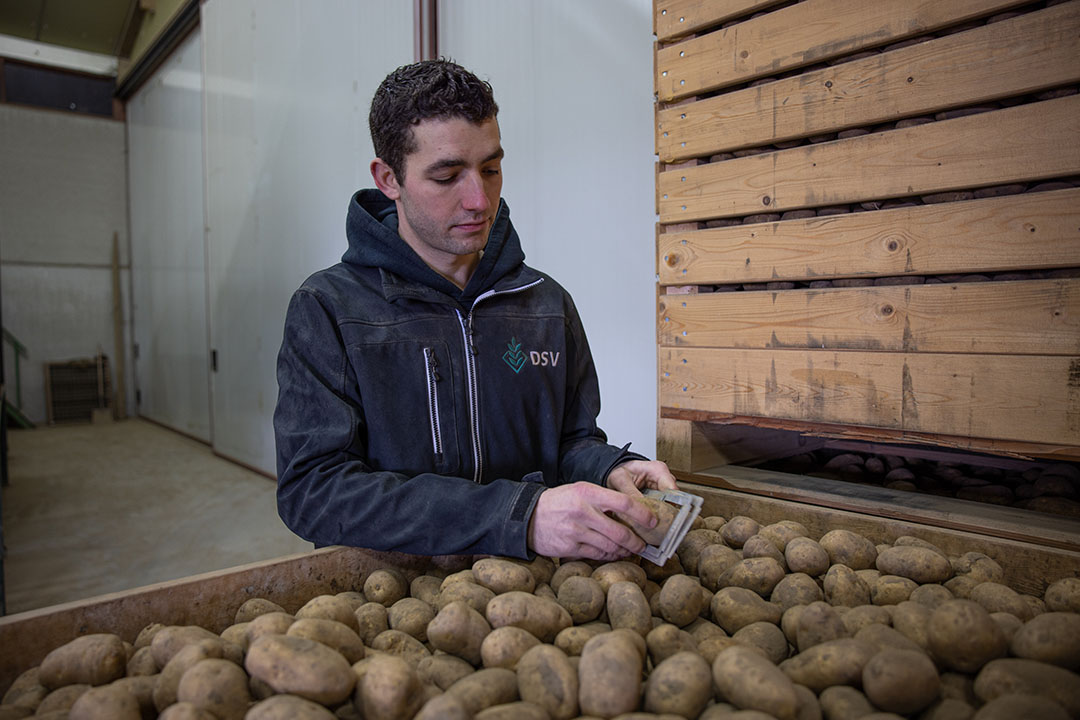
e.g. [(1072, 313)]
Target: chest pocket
[(409, 401)]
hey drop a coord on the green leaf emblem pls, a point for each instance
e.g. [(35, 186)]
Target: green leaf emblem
[(514, 356)]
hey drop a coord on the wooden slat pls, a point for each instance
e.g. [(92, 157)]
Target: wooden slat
[(1029, 317), (675, 18), (1029, 567), (1025, 54), (802, 34), (1016, 144), (1030, 398), (867, 434), (1019, 232)]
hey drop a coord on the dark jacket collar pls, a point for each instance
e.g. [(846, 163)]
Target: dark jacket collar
[(371, 229)]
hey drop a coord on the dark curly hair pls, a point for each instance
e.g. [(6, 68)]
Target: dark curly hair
[(421, 91)]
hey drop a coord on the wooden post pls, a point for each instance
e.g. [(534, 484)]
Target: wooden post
[(120, 388)]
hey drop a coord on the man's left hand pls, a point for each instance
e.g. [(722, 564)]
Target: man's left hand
[(636, 475)]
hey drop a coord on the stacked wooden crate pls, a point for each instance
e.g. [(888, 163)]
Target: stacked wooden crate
[(869, 223)]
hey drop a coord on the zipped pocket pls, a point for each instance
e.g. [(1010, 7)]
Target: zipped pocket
[(431, 369)]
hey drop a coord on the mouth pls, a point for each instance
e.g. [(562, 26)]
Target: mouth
[(471, 227)]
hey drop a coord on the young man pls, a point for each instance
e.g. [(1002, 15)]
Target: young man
[(437, 395)]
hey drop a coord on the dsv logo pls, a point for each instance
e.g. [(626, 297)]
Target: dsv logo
[(516, 358)]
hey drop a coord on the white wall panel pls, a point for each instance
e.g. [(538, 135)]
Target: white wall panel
[(59, 313), (574, 85), (63, 195), (287, 89), (63, 187), (165, 160)]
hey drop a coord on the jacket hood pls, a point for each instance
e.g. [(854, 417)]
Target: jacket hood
[(371, 227)]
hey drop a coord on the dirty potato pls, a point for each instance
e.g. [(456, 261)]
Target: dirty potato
[(542, 617), (680, 685), (746, 679), (609, 675), (95, 659), (501, 575), (459, 630), (301, 667), (547, 678)]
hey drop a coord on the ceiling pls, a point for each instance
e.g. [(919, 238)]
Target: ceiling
[(101, 26)]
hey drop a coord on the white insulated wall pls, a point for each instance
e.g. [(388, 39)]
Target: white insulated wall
[(63, 194), (287, 89), (574, 85), (165, 170)]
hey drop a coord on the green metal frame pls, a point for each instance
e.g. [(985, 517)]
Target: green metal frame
[(20, 349)]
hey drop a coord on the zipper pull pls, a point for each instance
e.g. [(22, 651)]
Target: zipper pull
[(469, 334), (433, 363)]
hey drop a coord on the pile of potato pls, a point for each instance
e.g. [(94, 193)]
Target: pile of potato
[(747, 621), (1043, 487)]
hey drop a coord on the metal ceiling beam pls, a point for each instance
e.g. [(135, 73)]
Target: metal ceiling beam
[(186, 20), (130, 30), (425, 30), (57, 56)]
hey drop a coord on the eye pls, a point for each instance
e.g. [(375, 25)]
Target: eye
[(492, 171), (443, 181)]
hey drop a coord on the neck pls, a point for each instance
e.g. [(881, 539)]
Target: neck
[(458, 269)]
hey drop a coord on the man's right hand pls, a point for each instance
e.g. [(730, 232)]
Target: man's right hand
[(569, 521)]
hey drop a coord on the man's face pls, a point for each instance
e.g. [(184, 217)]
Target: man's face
[(452, 186)]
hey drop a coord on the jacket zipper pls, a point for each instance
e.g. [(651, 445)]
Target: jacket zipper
[(431, 367), (466, 323)]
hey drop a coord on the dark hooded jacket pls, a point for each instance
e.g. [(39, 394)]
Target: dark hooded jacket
[(419, 417)]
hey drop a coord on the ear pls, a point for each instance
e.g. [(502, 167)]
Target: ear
[(385, 179)]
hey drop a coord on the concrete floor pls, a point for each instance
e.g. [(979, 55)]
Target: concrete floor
[(93, 509)]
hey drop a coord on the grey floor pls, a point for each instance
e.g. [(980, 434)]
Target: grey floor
[(93, 509)]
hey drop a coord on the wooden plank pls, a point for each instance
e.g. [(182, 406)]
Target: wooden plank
[(1020, 232), (1028, 398), (675, 18), (969, 516), (119, 395), (1026, 54), (803, 34), (1028, 142), (866, 434), (1027, 317), (1028, 567), (209, 600)]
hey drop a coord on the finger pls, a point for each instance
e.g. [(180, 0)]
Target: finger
[(621, 479), (596, 545), (620, 536), (666, 481), (623, 504)]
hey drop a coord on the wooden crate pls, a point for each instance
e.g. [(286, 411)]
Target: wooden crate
[(1030, 561), (869, 223)]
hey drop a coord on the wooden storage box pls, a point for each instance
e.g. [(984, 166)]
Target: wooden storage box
[(211, 600), (869, 223)]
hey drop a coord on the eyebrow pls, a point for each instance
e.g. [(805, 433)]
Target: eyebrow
[(458, 162)]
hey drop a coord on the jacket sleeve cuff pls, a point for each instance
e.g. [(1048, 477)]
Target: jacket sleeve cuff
[(517, 524)]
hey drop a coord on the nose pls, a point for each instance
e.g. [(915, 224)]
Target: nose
[(473, 197)]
